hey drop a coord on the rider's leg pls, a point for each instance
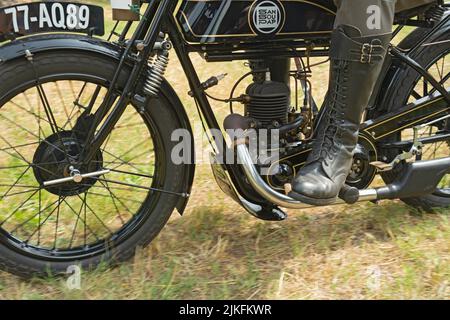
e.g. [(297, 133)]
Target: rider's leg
[(358, 48)]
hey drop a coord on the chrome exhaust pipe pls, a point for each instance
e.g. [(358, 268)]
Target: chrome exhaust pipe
[(279, 199)]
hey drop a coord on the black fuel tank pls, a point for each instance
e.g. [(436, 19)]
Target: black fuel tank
[(237, 21)]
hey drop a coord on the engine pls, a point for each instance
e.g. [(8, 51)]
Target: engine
[(268, 102)]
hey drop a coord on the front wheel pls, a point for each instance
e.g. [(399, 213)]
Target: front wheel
[(101, 219)]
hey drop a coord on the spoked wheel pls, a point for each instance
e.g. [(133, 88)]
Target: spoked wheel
[(56, 209), (436, 59)]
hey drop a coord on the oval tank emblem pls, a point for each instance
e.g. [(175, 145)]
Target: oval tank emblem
[(266, 17)]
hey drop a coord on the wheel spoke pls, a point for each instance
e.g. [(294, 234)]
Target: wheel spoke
[(14, 167), (135, 147), (109, 137), (28, 131), (43, 222), (17, 209), (131, 173), (15, 183), (85, 217), (96, 216), (72, 114), (109, 196), (57, 223), (84, 221), (66, 112), (113, 197), (47, 109), (38, 117), (124, 162), (16, 157), (121, 189), (39, 215), (18, 186), (34, 216), (19, 193), (20, 146), (13, 148), (76, 225), (99, 208), (141, 187)]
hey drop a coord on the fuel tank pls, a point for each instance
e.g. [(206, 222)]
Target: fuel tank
[(237, 21)]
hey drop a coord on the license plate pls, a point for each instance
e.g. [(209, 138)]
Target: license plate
[(41, 17)]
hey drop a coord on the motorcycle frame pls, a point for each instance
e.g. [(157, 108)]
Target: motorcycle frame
[(159, 17)]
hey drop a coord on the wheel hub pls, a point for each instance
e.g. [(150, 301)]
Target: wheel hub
[(362, 172), (58, 156)]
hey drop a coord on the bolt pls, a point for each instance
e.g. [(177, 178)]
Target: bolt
[(75, 174), (29, 55), (140, 46), (167, 45)]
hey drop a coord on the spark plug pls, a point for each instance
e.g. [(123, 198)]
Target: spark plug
[(211, 82)]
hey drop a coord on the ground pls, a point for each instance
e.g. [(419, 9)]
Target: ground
[(218, 251)]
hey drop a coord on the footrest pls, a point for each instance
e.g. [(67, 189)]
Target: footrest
[(349, 194), (382, 166)]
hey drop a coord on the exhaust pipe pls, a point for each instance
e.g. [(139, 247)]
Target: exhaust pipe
[(419, 178), (275, 197)]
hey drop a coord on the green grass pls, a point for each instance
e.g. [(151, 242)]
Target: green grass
[(218, 251)]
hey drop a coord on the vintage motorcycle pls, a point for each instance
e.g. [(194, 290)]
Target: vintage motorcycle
[(86, 124)]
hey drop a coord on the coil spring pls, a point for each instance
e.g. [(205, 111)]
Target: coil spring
[(436, 13), (156, 73)]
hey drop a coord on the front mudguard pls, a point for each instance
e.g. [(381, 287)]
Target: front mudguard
[(43, 43)]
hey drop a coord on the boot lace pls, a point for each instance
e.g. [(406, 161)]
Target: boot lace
[(334, 114)]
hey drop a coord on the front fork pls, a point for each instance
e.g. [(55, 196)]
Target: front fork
[(147, 31)]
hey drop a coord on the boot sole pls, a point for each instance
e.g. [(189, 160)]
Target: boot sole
[(312, 201)]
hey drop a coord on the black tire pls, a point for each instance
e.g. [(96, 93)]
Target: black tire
[(407, 79), (153, 214)]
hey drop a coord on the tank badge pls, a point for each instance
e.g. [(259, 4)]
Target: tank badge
[(266, 17)]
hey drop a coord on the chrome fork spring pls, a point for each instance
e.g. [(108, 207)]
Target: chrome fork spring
[(155, 74)]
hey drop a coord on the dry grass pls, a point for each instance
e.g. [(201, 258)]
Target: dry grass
[(217, 251)]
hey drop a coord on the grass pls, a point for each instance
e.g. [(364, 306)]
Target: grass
[(218, 251)]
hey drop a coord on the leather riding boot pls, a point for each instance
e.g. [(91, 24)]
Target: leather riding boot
[(356, 63)]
